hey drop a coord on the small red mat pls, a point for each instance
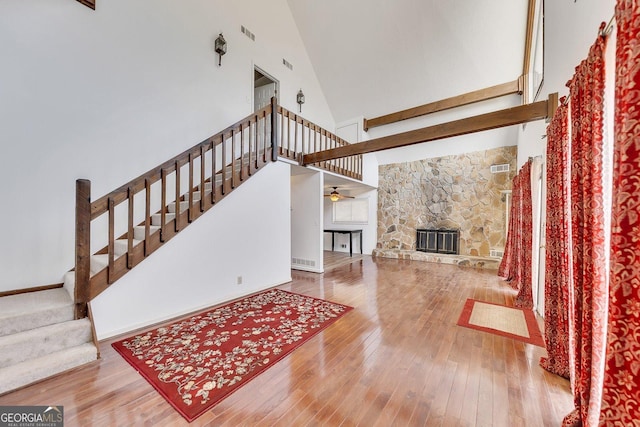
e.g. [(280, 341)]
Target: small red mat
[(535, 337), (197, 362)]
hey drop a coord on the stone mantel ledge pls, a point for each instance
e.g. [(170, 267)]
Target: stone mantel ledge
[(459, 260)]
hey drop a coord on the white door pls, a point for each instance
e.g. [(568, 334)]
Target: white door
[(262, 95)]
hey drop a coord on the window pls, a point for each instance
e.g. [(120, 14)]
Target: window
[(351, 211)]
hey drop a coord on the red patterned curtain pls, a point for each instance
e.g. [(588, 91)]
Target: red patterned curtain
[(621, 393), (515, 266), (506, 269), (557, 267), (588, 293)]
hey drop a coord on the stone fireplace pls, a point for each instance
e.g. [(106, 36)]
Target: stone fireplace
[(457, 192)]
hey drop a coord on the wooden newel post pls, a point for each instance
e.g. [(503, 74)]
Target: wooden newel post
[(83, 246), (274, 129)]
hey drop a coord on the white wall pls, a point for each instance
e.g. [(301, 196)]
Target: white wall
[(306, 219), (200, 266), (108, 94)]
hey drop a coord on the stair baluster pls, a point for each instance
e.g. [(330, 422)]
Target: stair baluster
[(83, 247)]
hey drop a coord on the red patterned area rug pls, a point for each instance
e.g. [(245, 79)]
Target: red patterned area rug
[(519, 324), (197, 362)]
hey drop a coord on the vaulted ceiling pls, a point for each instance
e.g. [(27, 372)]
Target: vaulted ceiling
[(374, 57)]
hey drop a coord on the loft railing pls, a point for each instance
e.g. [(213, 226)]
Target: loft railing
[(299, 136), (134, 220), (171, 196)]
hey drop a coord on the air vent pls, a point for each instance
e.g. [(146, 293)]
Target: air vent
[(306, 262), (496, 254), (247, 33), (287, 64), (500, 168)]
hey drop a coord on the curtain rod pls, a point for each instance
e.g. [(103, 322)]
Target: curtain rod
[(607, 30)]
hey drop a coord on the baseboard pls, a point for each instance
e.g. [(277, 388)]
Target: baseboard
[(152, 323), (27, 290)]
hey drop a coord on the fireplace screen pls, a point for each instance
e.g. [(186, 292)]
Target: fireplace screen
[(437, 241)]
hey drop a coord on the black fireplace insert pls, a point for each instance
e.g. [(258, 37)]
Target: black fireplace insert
[(437, 241)]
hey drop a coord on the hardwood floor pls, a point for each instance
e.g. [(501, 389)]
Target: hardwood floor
[(334, 260), (398, 359)]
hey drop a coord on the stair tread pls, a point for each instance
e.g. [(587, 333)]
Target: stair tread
[(46, 330), (33, 343), (34, 302), (37, 369)]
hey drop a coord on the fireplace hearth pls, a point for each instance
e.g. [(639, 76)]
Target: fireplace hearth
[(439, 241)]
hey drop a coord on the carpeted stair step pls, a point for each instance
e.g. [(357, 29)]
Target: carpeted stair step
[(172, 206), (27, 372), (34, 309), (207, 185), (196, 195), (120, 247), (156, 219), (139, 232), (99, 262), (35, 343), (69, 283)]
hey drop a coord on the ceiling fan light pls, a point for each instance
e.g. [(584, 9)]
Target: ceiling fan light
[(334, 197)]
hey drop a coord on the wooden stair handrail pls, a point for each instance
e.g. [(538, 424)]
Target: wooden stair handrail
[(314, 138), (99, 206), (234, 154)]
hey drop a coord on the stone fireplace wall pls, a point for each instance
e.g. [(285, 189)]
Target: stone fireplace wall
[(453, 192)]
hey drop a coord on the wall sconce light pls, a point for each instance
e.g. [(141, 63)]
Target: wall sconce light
[(300, 99), (221, 48)]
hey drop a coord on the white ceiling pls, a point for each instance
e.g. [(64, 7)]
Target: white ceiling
[(374, 57)]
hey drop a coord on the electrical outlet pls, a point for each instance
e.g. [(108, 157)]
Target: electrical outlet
[(239, 280), (343, 245)]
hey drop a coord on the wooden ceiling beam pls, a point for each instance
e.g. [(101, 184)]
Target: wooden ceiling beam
[(497, 119), (445, 104), (89, 3)]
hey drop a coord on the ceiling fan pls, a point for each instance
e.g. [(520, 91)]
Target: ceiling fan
[(335, 196)]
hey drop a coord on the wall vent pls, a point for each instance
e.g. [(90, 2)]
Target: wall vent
[(287, 64), (247, 33), (496, 254), (305, 262), (500, 168)]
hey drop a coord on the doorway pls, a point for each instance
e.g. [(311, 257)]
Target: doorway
[(264, 88)]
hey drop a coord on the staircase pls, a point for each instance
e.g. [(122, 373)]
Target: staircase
[(47, 332), (40, 338)]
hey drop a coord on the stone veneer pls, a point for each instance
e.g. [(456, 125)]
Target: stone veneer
[(455, 192)]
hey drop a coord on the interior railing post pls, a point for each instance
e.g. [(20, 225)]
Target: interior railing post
[(190, 195), (83, 247), (250, 137), (241, 177), (111, 237), (224, 164), (274, 129), (281, 143), (147, 215), (177, 190), (130, 195), (202, 177), (163, 205), (233, 159), (213, 171)]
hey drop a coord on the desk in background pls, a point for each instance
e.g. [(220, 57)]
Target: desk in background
[(350, 233)]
